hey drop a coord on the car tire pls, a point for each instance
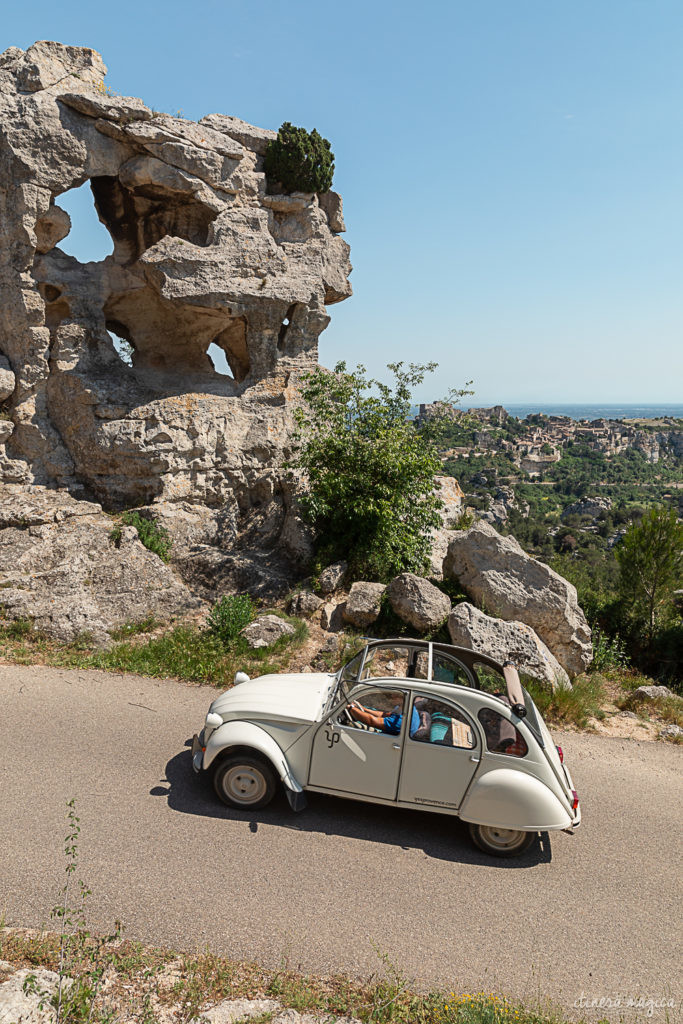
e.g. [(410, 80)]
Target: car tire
[(501, 842), (244, 781)]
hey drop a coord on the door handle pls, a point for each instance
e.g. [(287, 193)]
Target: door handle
[(475, 759), (396, 746)]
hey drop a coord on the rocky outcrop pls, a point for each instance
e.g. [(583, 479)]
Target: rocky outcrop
[(452, 497), (203, 254), (470, 628), (363, 604), (592, 507), (61, 568), (418, 602), (502, 579)]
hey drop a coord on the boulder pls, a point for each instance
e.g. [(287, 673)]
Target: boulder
[(231, 1010), (592, 507), (452, 496), (418, 602), (501, 578), (266, 630), (470, 628), (7, 379), (648, 694), (332, 577), (671, 732), (305, 603), (20, 1006), (61, 568), (332, 616), (363, 604)]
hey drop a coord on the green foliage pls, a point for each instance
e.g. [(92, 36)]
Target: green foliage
[(650, 559), (608, 652), (229, 615), (370, 491), (299, 161), (570, 706), (145, 625), (154, 537)]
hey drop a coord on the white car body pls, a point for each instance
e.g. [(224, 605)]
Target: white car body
[(301, 726)]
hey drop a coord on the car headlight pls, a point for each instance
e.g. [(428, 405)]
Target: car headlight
[(213, 721)]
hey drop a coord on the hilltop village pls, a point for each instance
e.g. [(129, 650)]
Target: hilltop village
[(537, 442)]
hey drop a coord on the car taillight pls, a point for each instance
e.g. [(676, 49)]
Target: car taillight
[(575, 799), (561, 755)]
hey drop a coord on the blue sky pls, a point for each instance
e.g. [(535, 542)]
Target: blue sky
[(511, 171)]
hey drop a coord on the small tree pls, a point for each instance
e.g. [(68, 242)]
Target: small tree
[(300, 161), (651, 566), (370, 492)]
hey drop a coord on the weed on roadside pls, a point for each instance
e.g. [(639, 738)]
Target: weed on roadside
[(574, 706)]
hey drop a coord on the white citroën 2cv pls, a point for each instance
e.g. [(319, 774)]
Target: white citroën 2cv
[(406, 723)]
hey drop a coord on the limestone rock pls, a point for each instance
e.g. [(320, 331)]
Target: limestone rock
[(232, 1010), (418, 602), (452, 496), (60, 568), (305, 603), (671, 732), (363, 604), (648, 694), (266, 630), (332, 577), (24, 1007), (332, 616), (203, 258), (499, 576), (592, 507), (470, 628), (331, 203), (7, 379)]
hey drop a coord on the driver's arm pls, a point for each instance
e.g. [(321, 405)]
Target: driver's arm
[(367, 717)]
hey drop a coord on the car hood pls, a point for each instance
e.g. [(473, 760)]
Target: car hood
[(299, 696)]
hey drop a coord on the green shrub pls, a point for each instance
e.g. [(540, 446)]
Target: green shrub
[(230, 615), (608, 652), (570, 706), (300, 161), (154, 537)]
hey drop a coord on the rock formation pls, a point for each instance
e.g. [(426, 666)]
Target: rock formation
[(500, 577), (471, 628), (203, 252)]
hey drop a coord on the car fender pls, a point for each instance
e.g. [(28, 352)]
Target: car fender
[(513, 799), (245, 734)]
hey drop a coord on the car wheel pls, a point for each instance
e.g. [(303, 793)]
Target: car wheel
[(501, 842), (245, 782)]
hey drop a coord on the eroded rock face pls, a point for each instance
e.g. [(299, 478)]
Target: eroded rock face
[(61, 568), (500, 576), (202, 254)]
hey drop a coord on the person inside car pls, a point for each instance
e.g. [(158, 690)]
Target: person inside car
[(389, 723)]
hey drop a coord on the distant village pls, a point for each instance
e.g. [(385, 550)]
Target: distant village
[(538, 441)]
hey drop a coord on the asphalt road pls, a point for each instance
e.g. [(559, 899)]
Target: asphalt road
[(334, 888)]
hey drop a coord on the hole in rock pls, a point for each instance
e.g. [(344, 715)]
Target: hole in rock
[(88, 241), (123, 346), (219, 360)]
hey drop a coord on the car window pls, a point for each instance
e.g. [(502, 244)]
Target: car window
[(501, 735), (490, 679), (375, 711), (383, 662), (441, 723), (445, 670)]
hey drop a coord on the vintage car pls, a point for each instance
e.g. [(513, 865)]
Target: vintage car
[(406, 723)]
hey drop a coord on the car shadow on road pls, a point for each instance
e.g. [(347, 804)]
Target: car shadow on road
[(437, 835)]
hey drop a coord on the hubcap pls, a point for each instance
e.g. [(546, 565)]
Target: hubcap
[(502, 838), (244, 784)]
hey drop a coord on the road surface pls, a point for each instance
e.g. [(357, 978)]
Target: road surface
[(334, 888)]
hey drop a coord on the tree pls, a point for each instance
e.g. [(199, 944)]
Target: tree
[(650, 560), (370, 490), (300, 161)]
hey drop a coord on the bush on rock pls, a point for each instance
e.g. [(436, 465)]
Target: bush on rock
[(299, 161)]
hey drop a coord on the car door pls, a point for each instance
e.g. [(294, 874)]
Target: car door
[(348, 757), (440, 756)]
